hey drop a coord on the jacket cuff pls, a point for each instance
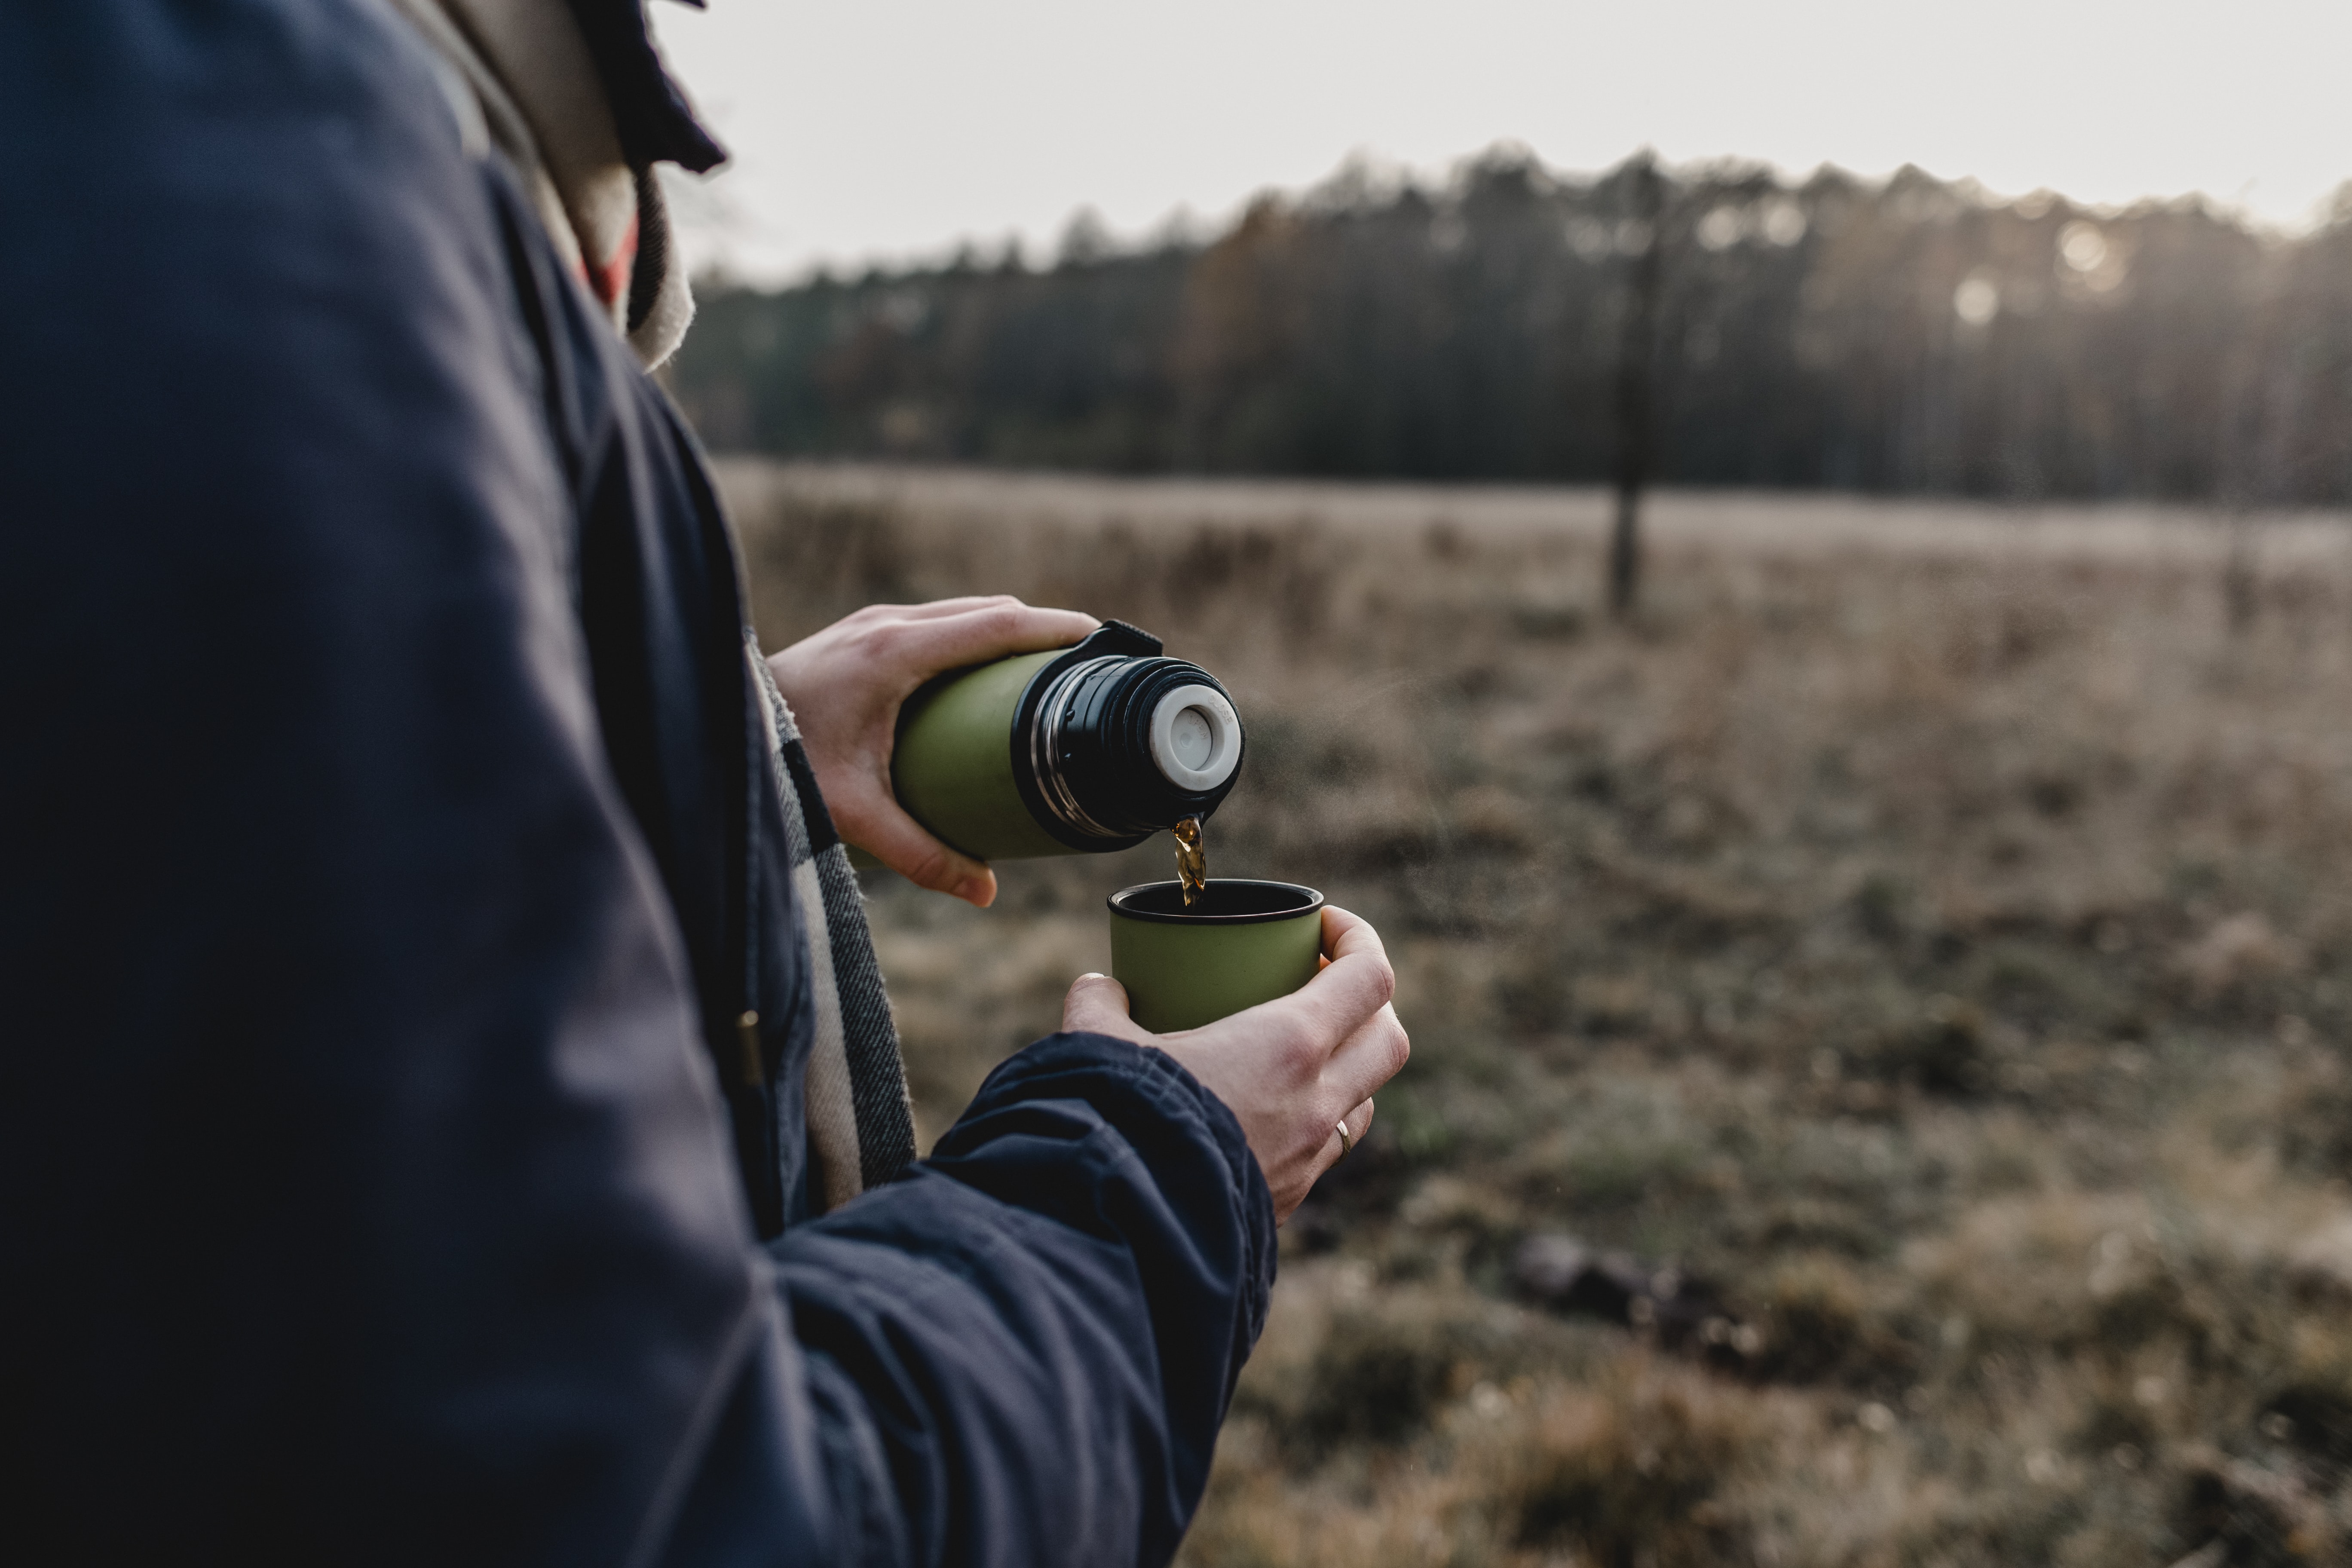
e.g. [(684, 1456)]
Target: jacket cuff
[(1123, 1079)]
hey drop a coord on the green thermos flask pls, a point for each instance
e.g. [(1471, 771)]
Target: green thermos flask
[(1081, 750)]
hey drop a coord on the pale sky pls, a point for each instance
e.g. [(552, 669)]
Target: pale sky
[(893, 128)]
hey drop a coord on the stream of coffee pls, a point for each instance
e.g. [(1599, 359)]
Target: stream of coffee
[(1192, 859)]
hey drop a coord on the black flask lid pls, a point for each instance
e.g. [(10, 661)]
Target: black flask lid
[(1110, 827)]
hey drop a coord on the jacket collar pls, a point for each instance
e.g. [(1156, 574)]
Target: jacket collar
[(554, 106), (656, 122)]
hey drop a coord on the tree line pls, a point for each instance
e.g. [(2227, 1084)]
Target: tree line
[(1904, 335)]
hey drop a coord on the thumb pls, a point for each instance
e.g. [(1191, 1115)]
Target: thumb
[(1097, 1005)]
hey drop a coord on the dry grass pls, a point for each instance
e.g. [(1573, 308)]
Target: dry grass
[(1936, 938)]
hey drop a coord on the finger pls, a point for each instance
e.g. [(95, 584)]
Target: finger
[(933, 610), (1356, 983), (1368, 1059), (881, 827), (1358, 1123), (990, 631), (1098, 1005), (1345, 931)]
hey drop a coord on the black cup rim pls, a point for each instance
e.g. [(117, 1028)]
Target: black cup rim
[(1309, 901)]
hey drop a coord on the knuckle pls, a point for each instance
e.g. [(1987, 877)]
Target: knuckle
[(929, 866), (1299, 1046), (1384, 982)]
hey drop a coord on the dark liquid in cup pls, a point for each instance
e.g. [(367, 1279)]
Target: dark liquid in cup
[(1192, 859)]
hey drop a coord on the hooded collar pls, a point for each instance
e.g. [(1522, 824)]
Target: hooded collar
[(573, 94), (656, 122)]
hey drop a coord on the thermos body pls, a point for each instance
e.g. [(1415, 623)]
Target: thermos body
[(951, 766), (1076, 751)]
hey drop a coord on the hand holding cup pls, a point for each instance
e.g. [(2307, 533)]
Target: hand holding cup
[(1292, 1071)]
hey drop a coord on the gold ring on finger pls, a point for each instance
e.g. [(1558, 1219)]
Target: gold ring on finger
[(1347, 1144)]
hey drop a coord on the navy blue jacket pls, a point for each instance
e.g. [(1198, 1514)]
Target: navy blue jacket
[(389, 854)]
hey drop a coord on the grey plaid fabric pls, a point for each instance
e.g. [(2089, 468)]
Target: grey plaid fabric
[(861, 1126)]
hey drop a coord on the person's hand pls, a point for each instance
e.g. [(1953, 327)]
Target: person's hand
[(845, 684), (1289, 1070)]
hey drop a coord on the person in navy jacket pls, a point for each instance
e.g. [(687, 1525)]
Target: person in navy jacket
[(407, 1012)]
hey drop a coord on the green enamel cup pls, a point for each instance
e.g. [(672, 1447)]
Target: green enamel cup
[(1244, 942)]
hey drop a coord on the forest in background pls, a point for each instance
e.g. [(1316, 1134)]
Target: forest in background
[(1908, 335)]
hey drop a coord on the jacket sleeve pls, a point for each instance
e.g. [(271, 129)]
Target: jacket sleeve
[(1020, 1353), (1046, 1318)]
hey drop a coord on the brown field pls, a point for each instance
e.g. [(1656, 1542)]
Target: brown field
[(1880, 1091)]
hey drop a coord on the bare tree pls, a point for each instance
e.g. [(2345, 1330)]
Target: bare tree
[(1637, 390)]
